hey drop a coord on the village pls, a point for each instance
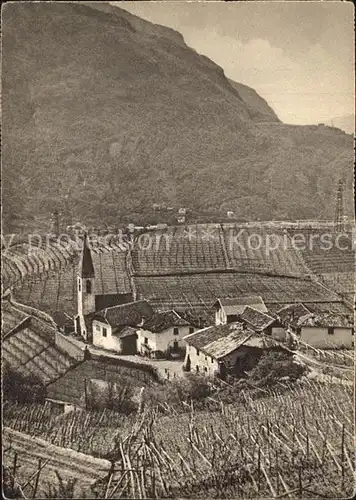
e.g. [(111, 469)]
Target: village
[(104, 333), (226, 342)]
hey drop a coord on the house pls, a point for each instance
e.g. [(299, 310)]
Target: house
[(227, 310), (225, 349), (115, 328), (163, 334), (325, 330), (319, 328), (262, 322)]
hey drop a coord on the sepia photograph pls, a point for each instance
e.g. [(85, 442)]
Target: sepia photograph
[(178, 250)]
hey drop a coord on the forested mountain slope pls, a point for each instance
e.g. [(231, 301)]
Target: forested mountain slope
[(105, 114)]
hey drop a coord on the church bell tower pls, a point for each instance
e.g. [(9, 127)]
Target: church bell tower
[(85, 291)]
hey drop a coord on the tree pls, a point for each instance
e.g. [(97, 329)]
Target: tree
[(274, 365), (22, 388), (187, 365)]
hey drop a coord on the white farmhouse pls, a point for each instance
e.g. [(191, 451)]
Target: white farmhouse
[(227, 310), (325, 330), (115, 328), (321, 329), (163, 334)]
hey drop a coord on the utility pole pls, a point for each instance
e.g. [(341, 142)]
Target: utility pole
[(55, 222), (339, 210)]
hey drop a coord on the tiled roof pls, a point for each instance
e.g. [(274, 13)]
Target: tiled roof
[(130, 314), (219, 341), (326, 319), (256, 319), (289, 315), (112, 299), (62, 318), (236, 305), (163, 320)]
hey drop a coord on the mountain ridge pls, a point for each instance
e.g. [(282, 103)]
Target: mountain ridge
[(345, 123)]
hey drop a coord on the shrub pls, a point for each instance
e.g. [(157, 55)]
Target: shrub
[(110, 396), (274, 366), (22, 388), (190, 388)]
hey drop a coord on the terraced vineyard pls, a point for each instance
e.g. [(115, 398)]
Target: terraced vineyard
[(198, 292), (334, 261), (187, 267), (56, 290), (28, 345), (208, 247), (23, 260), (292, 442)]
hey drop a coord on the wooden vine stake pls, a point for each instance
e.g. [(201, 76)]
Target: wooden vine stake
[(342, 456), (37, 478)]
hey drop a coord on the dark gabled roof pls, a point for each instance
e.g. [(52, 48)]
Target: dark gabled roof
[(236, 305), (86, 266), (163, 320), (112, 299), (289, 315), (256, 319), (219, 341), (326, 320), (130, 314), (61, 318)]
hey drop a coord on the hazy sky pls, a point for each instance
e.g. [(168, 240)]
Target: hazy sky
[(299, 56)]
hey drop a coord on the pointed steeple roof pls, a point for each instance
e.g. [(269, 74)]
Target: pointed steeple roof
[(86, 267)]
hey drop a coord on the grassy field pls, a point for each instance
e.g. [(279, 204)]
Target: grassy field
[(292, 442)]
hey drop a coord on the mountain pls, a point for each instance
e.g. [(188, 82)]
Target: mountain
[(105, 114), (345, 123), (259, 108)]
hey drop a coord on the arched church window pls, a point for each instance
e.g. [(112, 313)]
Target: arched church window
[(88, 286)]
